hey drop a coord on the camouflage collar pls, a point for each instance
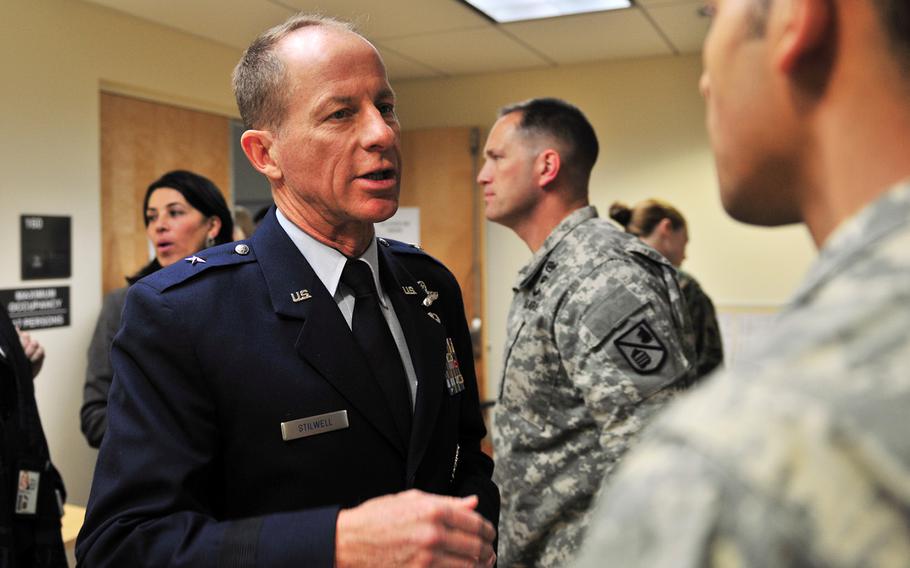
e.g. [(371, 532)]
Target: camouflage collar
[(852, 239), (574, 219)]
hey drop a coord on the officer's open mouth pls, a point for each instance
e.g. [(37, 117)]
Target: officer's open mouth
[(380, 175)]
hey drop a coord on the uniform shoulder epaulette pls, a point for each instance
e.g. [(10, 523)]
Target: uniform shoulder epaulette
[(399, 247), (228, 254), (636, 246)]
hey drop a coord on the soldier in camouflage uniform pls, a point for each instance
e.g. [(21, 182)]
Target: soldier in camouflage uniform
[(800, 457), (662, 226), (709, 348), (595, 333)]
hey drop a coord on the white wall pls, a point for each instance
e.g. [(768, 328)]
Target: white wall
[(649, 120), (56, 54)]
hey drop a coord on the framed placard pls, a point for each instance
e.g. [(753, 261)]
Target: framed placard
[(46, 246)]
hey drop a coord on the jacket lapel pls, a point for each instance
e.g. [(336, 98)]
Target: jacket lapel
[(426, 342), (325, 341)]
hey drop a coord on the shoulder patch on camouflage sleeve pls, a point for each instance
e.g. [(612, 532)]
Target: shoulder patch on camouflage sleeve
[(642, 349)]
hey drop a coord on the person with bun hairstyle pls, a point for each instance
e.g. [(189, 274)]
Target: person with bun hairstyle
[(662, 226), (184, 213)]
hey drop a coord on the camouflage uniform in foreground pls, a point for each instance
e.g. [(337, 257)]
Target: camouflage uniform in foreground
[(595, 337), (709, 350), (801, 458)]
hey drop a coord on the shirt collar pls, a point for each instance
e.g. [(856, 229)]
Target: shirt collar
[(575, 218), (325, 261), (854, 236)]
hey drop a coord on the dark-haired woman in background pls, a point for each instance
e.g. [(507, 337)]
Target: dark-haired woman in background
[(663, 227), (184, 213)]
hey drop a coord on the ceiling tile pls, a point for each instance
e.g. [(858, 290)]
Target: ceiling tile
[(471, 51), (428, 38), (232, 22), (682, 24), (591, 37), (396, 18), (401, 67)]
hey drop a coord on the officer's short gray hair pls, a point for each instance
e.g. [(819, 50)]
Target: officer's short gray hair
[(259, 77)]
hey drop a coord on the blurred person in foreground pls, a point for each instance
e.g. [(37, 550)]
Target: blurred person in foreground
[(31, 490), (183, 213), (661, 226), (306, 397), (597, 332), (800, 457)]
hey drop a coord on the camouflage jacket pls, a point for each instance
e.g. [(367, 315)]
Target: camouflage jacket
[(709, 350), (595, 337), (800, 458)]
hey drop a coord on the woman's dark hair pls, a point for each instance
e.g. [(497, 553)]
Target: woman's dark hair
[(201, 193), (642, 219)]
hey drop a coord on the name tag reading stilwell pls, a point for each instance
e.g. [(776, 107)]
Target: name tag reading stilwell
[(313, 425)]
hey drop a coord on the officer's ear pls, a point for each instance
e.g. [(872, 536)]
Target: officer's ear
[(258, 146), (547, 166)]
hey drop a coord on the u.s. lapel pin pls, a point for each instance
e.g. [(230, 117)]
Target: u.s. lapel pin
[(300, 295), (409, 290)]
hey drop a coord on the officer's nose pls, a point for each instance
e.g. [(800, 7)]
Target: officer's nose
[(483, 176), (704, 85), (379, 131)]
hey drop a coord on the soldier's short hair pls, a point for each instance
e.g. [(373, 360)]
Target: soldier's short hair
[(894, 16), (259, 78), (567, 124)]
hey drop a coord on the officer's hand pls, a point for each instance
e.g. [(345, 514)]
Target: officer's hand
[(33, 350), (414, 529)]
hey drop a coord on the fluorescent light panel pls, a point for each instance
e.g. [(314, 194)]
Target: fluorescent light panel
[(504, 11)]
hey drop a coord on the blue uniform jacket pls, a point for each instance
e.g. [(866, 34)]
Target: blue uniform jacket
[(213, 356)]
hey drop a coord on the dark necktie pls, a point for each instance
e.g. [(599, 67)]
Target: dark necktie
[(371, 331)]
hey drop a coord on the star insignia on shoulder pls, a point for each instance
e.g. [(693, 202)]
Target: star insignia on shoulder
[(194, 259)]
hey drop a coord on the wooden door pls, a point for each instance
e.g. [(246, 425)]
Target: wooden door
[(140, 141), (439, 167)]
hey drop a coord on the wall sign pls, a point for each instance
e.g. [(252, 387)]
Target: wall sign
[(37, 308), (46, 247), (403, 226)]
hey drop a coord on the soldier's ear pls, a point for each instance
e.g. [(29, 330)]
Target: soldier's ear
[(802, 28), (259, 145), (547, 167), (664, 226)]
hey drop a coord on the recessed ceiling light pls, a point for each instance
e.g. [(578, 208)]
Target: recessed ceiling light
[(504, 11)]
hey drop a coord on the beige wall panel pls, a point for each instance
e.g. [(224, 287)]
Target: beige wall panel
[(438, 177)]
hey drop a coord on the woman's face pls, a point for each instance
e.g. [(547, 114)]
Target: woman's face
[(674, 245), (176, 228)]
